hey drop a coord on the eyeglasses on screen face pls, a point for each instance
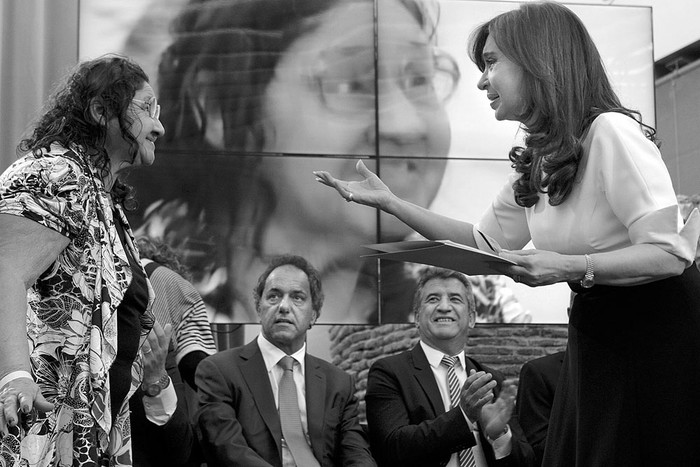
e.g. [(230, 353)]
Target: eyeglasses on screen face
[(347, 82), (150, 106)]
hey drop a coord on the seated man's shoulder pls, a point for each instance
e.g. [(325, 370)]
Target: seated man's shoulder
[(326, 366), (481, 367), (224, 357), (392, 361), (541, 364)]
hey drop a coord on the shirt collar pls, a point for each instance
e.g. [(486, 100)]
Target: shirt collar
[(272, 354), (434, 356)]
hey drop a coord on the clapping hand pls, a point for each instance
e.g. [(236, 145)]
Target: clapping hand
[(370, 191), (476, 392), (495, 415)]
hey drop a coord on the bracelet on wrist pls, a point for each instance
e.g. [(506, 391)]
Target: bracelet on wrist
[(588, 279), (153, 389)]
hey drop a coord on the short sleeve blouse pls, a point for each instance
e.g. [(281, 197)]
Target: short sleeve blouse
[(622, 196), (71, 317)]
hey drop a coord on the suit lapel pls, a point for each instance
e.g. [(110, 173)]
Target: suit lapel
[(255, 375), (426, 379), (315, 403)]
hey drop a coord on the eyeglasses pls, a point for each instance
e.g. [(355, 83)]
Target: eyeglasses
[(345, 77), (150, 106)]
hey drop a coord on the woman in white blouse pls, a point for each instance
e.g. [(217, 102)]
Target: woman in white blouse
[(591, 191)]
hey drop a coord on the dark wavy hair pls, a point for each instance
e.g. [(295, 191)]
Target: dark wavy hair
[(240, 42), (301, 264), (237, 45), (162, 253), (110, 81), (224, 55), (566, 88)]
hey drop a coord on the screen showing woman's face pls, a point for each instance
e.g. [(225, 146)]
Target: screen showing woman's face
[(330, 95), (229, 210)]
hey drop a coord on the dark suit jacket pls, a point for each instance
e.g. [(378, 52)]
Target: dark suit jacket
[(408, 425), (171, 445), (538, 381), (239, 424)]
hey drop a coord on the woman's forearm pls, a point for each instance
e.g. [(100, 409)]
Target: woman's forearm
[(634, 265), (431, 225), (26, 250), (14, 350)]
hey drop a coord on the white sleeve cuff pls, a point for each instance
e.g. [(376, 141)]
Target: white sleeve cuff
[(13, 375), (160, 408), (502, 445)]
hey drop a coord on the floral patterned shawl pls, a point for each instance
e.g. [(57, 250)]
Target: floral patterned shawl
[(71, 319)]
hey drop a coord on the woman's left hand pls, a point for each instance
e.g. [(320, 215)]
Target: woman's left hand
[(537, 267), (18, 399)]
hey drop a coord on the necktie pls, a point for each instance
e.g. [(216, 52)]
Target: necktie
[(466, 457), (289, 417)]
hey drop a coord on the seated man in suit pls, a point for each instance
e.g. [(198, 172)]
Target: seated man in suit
[(269, 403), (538, 381), (434, 406)]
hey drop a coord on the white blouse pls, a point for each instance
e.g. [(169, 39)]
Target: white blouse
[(622, 196)]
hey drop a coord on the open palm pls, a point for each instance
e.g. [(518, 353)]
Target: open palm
[(495, 415), (370, 191)]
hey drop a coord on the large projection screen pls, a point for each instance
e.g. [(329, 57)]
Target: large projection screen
[(251, 109)]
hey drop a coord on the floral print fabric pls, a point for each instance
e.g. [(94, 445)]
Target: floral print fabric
[(71, 319)]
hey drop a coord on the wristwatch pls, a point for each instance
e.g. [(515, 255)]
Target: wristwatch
[(588, 280), (153, 389), (505, 430)]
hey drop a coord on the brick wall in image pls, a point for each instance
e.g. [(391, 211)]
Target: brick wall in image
[(504, 347)]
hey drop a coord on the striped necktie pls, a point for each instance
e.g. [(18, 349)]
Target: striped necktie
[(466, 457), (290, 419)]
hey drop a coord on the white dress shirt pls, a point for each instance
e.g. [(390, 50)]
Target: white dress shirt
[(272, 355), (502, 445)]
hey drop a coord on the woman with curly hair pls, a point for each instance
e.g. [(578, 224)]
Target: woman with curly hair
[(71, 283), (592, 193)]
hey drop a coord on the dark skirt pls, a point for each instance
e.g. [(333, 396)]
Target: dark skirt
[(629, 392)]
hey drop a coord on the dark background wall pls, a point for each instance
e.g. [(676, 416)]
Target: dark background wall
[(678, 118)]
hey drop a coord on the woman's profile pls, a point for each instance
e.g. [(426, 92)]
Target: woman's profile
[(76, 300), (590, 190)]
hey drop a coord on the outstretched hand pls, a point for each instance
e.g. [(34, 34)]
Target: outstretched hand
[(370, 191), (18, 398)]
